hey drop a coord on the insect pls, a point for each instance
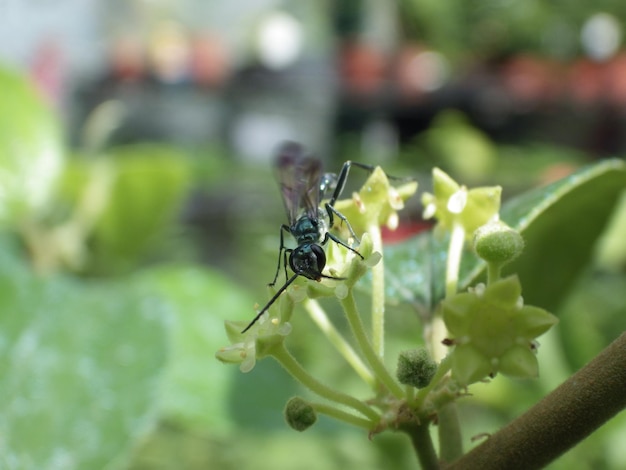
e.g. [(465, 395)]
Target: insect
[(303, 186)]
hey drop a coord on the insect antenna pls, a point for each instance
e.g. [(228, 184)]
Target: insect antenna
[(271, 301)]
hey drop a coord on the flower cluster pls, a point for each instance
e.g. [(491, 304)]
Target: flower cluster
[(489, 329), (376, 203)]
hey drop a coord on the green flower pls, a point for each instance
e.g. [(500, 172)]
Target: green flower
[(493, 331), (255, 343), (454, 205), (377, 203)]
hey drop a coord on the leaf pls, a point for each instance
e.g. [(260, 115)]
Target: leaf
[(31, 156), (80, 371), (560, 225), (197, 387), (559, 222), (149, 185)]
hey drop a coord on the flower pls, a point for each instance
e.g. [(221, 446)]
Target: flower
[(493, 331), (452, 204), (255, 343), (377, 203)]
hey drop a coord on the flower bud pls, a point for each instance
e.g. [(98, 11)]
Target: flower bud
[(416, 368), (299, 413), (497, 243)]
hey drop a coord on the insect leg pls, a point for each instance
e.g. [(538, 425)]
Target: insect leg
[(281, 251), (331, 210), (343, 177), (286, 254), (271, 301), (339, 187), (338, 241)]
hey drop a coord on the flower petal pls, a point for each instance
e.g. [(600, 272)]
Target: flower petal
[(469, 365), (519, 362)]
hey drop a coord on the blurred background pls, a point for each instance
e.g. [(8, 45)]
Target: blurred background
[(136, 140)]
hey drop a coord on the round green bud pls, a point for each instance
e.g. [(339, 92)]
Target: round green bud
[(416, 368), (299, 414), (498, 243)]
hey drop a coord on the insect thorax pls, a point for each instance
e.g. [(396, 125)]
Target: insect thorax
[(308, 230)]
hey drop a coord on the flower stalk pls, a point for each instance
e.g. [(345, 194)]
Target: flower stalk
[(295, 369), (378, 294), (374, 361), (319, 316)]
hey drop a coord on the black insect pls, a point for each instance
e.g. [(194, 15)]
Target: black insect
[(303, 186)]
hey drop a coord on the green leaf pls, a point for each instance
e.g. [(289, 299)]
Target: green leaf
[(149, 185), (559, 222), (560, 225), (197, 387), (80, 371), (31, 157)]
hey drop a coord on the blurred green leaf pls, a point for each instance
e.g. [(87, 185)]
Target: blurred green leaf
[(148, 189), (559, 222), (80, 372), (611, 249), (458, 147), (592, 316), (31, 157), (175, 448), (197, 386), (494, 28)]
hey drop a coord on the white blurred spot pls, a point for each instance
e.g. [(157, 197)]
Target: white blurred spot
[(601, 36), (380, 140), (255, 134), (428, 71), (429, 211), (458, 201), (279, 40), (393, 221)]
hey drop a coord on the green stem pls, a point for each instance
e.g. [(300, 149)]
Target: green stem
[(493, 272), (438, 331), (318, 315), (450, 439), (436, 334), (423, 445), (378, 293), (455, 251), (409, 392), (341, 415), (291, 365), (374, 361)]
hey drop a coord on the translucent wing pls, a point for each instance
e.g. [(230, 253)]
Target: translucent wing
[(299, 179)]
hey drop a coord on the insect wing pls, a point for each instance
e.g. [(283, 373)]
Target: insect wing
[(299, 179), (310, 197)]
